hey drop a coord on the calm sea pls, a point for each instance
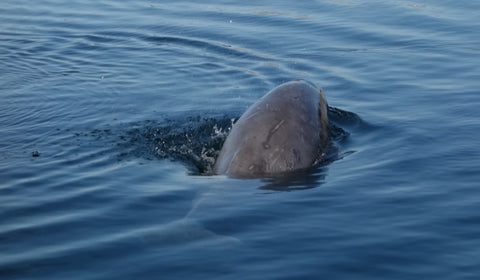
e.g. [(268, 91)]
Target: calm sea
[(111, 113)]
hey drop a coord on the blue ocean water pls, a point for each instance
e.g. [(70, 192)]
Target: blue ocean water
[(111, 113)]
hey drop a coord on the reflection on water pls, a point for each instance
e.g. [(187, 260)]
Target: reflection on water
[(300, 180)]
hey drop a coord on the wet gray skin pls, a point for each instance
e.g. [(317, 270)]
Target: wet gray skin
[(284, 131)]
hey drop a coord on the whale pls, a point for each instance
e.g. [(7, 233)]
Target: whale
[(284, 131)]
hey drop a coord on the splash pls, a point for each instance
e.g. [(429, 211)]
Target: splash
[(195, 141)]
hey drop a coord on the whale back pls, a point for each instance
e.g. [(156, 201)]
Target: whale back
[(284, 131)]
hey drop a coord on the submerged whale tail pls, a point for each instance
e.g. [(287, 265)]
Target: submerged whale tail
[(187, 231)]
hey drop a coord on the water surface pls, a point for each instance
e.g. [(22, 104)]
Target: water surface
[(110, 110)]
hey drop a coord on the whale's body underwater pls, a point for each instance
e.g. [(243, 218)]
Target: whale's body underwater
[(284, 131)]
